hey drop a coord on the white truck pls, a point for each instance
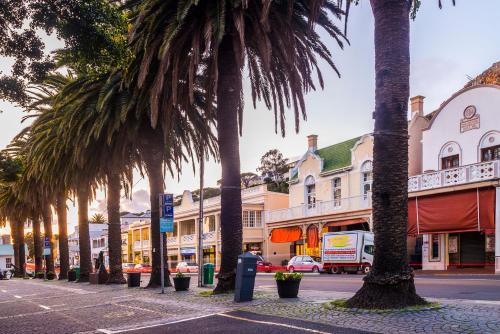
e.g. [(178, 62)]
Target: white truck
[(349, 251)]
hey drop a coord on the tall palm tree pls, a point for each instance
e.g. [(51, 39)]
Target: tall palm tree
[(62, 224), (207, 44)]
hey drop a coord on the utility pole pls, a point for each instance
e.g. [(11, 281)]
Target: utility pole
[(200, 221)]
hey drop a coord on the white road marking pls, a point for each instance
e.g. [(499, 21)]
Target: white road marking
[(44, 307), (19, 297), (4, 291), (274, 324), (117, 297), (109, 331)]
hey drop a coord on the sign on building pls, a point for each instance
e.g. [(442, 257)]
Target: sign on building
[(471, 120)]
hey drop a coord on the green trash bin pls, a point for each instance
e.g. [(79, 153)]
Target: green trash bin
[(208, 274), (77, 270)]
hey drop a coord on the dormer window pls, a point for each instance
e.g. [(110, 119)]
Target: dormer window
[(310, 185), (450, 162), (490, 153), (490, 146), (449, 156)]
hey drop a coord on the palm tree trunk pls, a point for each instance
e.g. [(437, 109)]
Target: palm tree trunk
[(83, 233), (22, 250), (47, 226), (390, 284), (114, 230), (228, 106), (62, 222), (37, 247), (15, 245), (152, 153)]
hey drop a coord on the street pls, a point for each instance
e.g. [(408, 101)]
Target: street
[(34, 306)]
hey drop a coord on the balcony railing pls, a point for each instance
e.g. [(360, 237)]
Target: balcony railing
[(209, 237), (171, 241), (188, 238), (145, 243), (482, 171), (137, 244), (319, 208)]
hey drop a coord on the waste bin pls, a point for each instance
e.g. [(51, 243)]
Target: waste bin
[(208, 274), (245, 277), (134, 280), (77, 270)]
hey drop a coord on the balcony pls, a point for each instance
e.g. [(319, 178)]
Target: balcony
[(482, 171), (145, 244), (188, 238), (171, 241), (209, 237), (136, 245), (319, 209)]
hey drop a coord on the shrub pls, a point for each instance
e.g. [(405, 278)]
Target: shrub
[(281, 276)]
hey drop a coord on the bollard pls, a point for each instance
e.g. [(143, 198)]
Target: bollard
[(245, 277)]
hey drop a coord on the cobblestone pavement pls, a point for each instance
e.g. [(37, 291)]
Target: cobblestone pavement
[(27, 306)]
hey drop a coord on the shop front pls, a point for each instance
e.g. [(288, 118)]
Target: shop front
[(209, 254), (457, 228), (188, 254)]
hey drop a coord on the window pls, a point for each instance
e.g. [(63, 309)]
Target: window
[(337, 192), (490, 153), (369, 249), (310, 192), (8, 263), (251, 219), (366, 178), (434, 251), (210, 223), (452, 161)]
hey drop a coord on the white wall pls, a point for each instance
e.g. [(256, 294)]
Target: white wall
[(446, 126)]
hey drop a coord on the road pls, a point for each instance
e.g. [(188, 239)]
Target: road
[(471, 287)]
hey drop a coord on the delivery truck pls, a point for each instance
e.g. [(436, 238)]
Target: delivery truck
[(349, 251)]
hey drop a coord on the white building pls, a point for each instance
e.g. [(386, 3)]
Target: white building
[(454, 207)]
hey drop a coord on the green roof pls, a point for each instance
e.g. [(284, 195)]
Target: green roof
[(338, 155)]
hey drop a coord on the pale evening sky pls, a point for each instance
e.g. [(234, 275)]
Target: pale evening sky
[(447, 46)]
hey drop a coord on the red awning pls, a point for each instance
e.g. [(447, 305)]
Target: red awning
[(345, 222), (286, 234), (312, 236), (464, 211)]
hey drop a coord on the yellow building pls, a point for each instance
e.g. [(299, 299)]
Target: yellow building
[(182, 243), (330, 190)]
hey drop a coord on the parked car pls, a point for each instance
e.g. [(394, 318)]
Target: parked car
[(263, 265), (304, 263), (187, 267), (128, 267), (142, 268)]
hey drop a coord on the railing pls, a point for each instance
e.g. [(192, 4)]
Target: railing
[(319, 208), (172, 241), (210, 236), (482, 171), (188, 238), (145, 243), (137, 244)]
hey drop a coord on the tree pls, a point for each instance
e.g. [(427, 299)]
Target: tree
[(207, 44), (28, 238), (248, 179), (98, 218), (273, 166)]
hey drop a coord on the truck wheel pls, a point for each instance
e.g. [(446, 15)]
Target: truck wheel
[(291, 270), (336, 270), (367, 269)]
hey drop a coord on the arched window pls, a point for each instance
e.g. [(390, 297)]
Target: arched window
[(337, 192), (449, 156), (366, 178), (489, 146), (310, 185)]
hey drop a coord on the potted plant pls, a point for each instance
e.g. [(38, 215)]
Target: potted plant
[(288, 284), (181, 282)]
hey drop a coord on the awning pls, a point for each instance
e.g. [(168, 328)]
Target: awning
[(286, 234), (312, 236), (464, 211), (346, 222)]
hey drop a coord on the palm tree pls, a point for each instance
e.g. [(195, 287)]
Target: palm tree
[(98, 218), (206, 44), (62, 224), (390, 284)]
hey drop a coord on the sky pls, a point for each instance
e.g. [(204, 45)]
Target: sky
[(447, 47)]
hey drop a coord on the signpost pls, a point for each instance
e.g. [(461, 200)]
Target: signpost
[(46, 252), (166, 225)]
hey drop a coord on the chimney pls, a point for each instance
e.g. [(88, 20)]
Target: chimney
[(312, 143), (417, 105)]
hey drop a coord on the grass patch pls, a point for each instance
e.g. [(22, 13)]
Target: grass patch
[(341, 304), (208, 293)]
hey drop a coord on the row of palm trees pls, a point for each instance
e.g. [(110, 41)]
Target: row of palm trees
[(160, 108), (179, 83)]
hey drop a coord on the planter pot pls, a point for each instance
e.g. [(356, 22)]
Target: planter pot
[(134, 280), (288, 288), (181, 283), (71, 276)]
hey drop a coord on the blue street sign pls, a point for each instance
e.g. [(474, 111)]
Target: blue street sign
[(46, 246), (167, 213)]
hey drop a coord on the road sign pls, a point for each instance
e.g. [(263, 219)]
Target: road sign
[(167, 213), (46, 246)]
